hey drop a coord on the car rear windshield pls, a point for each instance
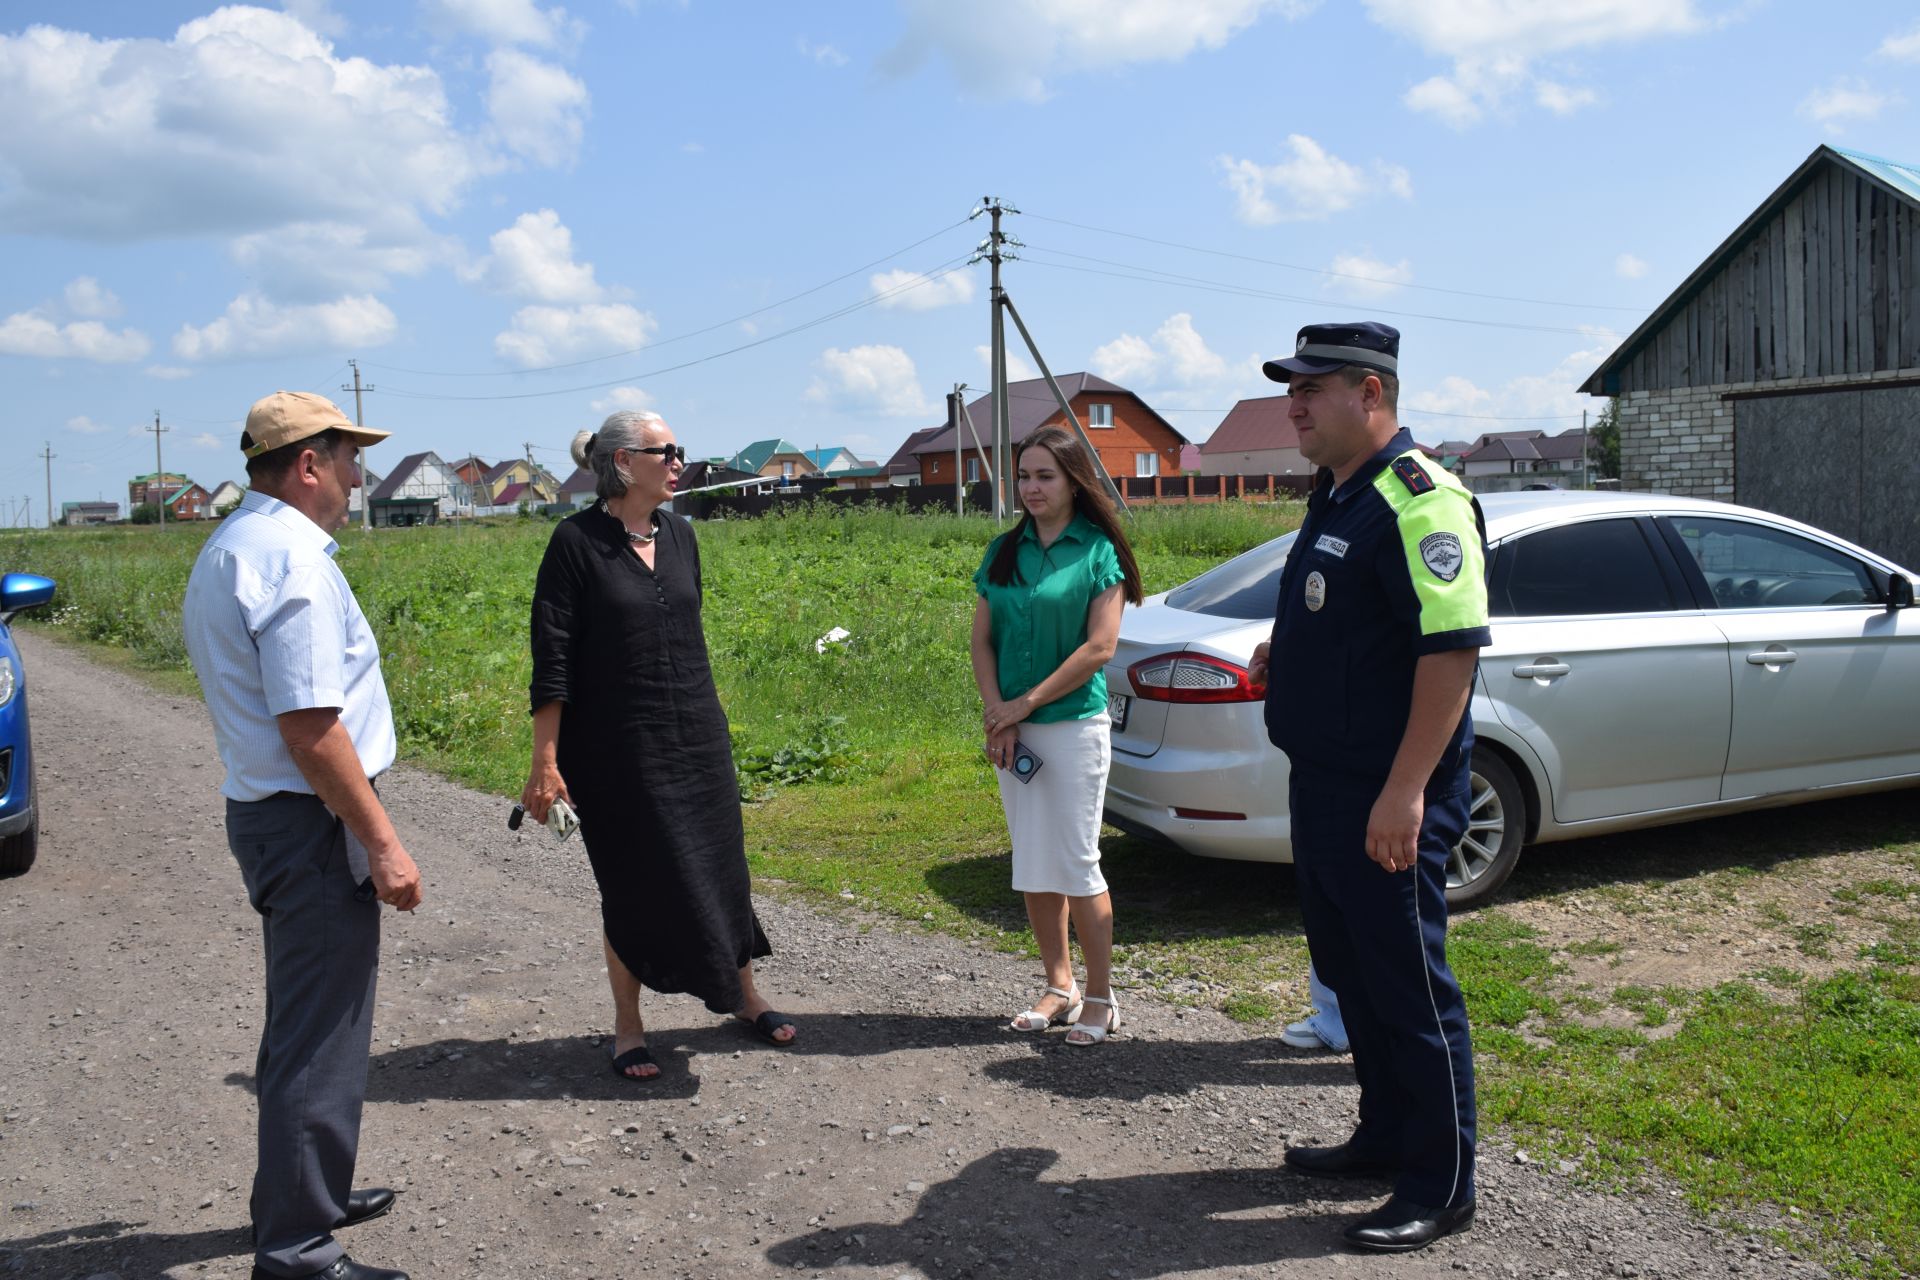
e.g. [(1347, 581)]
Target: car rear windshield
[(1245, 587)]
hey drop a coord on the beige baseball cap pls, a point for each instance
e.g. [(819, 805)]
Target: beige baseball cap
[(288, 416)]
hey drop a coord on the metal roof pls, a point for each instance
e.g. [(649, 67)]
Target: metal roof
[(1902, 178)]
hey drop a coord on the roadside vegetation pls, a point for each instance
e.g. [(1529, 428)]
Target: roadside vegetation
[(1789, 1077)]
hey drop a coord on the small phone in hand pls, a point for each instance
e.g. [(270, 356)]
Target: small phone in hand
[(562, 820), (1024, 764)]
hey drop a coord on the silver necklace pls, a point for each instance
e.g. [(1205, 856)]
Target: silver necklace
[(636, 539)]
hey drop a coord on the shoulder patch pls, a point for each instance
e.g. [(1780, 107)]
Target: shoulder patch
[(1412, 475)]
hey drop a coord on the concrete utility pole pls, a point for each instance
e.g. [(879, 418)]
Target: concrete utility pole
[(48, 454), (359, 420), (159, 471)]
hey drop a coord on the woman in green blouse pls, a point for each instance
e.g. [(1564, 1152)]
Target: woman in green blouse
[(1048, 618)]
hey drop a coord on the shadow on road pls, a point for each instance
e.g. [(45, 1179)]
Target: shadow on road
[(566, 1067), (122, 1248), (996, 1217)]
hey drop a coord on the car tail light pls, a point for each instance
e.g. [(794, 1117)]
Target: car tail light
[(1191, 677)]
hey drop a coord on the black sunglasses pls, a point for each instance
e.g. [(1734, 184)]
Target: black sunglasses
[(667, 452)]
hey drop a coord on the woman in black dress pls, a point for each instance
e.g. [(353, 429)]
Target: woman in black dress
[(627, 727)]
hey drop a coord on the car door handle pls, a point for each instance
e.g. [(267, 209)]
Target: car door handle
[(1771, 658), (1541, 670)]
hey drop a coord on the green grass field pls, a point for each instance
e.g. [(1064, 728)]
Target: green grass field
[(870, 793)]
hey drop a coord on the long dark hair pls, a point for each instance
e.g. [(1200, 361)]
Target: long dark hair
[(1089, 500)]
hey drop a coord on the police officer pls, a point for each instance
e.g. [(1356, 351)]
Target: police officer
[(1381, 615)]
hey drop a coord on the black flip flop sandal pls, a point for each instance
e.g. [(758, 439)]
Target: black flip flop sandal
[(769, 1022), (634, 1058)]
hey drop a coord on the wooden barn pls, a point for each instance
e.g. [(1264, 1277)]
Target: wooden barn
[(1784, 373)]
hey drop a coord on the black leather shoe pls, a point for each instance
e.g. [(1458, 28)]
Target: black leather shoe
[(367, 1202), (1338, 1162), (343, 1268), (1401, 1226)]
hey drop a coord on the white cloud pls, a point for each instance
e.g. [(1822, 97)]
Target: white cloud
[(533, 259), (81, 424), (1902, 48), (1550, 401), (1006, 48), (1494, 43), (1176, 355), (316, 15), (538, 110), (255, 325), (1018, 370), (208, 441), (622, 398), (1311, 183), (916, 292), (1359, 276), (31, 333), (320, 261), (544, 335), (1562, 100), (870, 379), (824, 54), (88, 297), (1629, 267), (502, 21), (168, 372), (199, 134), (1847, 99)]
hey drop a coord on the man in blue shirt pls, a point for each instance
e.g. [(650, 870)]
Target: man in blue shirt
[(1377, 631), (292, 680)]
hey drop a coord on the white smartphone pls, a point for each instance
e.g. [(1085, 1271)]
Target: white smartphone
[(562, 820)]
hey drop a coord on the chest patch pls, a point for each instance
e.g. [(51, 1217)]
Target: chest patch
[(1316, 591), (1333, 546), (1442, 555)]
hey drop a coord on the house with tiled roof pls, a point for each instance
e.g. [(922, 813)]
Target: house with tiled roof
[(421, 489), (903, 468), (73, 514), (1256, 438), (1508, 453), (775, 457), (1131, 438)]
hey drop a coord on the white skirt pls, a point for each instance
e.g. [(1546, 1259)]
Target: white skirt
[(1054, 816)]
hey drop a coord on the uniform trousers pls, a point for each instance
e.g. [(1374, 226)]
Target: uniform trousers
[(322, 941), (1379, 939)]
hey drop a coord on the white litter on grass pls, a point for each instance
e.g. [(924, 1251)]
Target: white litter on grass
[(839, 635)]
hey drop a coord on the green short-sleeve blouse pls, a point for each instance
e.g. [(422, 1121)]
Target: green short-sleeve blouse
[(1041, 618)]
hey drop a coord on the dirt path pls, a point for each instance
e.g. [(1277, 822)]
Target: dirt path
[(894, 1142)]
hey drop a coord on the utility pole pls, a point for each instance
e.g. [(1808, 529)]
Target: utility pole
[(48, 454), (359, 420), (1586, 459), (160, 472), (994, 250)]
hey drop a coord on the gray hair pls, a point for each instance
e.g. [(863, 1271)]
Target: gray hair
[(594, 450)]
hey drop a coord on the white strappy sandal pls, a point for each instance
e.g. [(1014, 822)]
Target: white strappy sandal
[(1034, 1020), (1094, 1031)]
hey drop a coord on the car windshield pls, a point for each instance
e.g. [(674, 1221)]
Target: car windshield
[(1245, 587)]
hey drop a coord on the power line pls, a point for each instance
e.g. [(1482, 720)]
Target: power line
[(678, 337), (1155, 276), (1343, 275)]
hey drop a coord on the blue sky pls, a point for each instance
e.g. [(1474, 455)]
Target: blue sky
[(199, 205)]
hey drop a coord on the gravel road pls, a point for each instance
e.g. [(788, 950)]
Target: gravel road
[(907, 1135)]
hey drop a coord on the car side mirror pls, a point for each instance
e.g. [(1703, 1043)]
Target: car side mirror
[(1899, 592), (29, 591)]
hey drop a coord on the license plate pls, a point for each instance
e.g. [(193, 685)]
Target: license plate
[(1117, 705)]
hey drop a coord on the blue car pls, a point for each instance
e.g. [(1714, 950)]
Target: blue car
[(19, 820)]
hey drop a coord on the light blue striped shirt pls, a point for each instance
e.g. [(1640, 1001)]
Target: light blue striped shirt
[(272, 627)]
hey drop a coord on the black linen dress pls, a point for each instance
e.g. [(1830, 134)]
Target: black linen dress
[(645, 755)]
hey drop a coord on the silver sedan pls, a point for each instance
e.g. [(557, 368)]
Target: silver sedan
[(1654, 659)]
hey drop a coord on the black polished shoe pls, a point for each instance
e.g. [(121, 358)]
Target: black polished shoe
[(1401, 1226), (343, 1268), (1338, 1162), (367, 1202)]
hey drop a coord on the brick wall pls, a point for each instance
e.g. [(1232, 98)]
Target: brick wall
[(1680, 440), (1134, 430)]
